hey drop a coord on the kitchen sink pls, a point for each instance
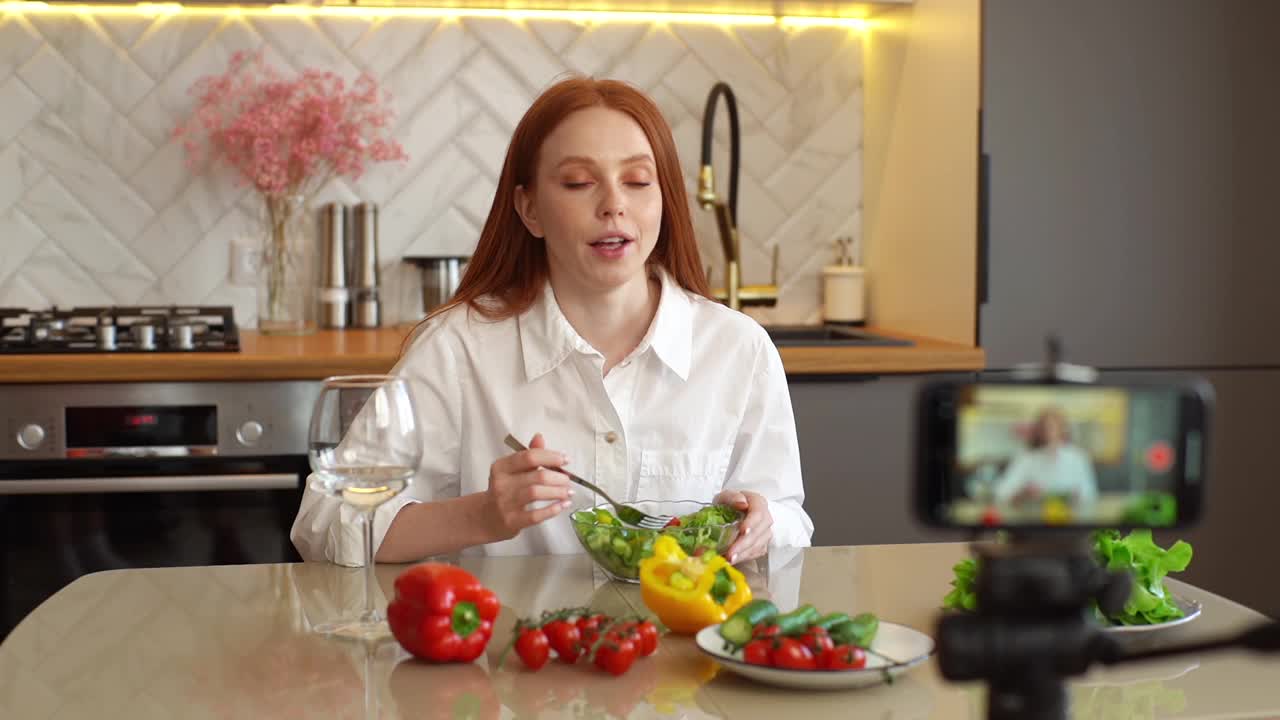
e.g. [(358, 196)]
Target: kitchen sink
[(841, 335)]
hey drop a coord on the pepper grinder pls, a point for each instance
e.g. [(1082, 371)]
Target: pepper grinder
[(844, 287), (366, 312), (334, 296)]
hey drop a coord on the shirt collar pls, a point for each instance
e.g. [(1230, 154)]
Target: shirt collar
[(671, 335), (547, 338)]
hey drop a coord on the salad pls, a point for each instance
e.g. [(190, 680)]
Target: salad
[(619, 548), (1149, 601)]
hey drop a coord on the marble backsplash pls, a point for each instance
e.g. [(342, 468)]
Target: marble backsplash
[(97, 206)]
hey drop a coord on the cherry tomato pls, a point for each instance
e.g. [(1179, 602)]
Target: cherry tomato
[(791, 653), (646, 638), (844, 657), (764, 631), (589, 628), (565, 639), (673, 522), (817, 640), (616, 653), (532, 647), (758, 652)]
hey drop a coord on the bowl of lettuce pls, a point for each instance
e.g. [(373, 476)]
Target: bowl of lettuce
[(1150, 602), (618, 548)]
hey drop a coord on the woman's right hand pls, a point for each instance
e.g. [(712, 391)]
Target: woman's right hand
[(522, 478)]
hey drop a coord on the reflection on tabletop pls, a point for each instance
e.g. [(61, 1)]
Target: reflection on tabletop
[(664, 685), (678, 682), (238, 641), (1133, 692)]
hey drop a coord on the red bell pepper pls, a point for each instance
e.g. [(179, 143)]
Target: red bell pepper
[(442, 613)]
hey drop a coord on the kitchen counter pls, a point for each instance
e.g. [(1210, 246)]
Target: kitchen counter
[(234, 641), (331, 352)]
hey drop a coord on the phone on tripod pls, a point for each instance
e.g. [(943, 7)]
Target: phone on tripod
[(1033, 456), (1050, 460)]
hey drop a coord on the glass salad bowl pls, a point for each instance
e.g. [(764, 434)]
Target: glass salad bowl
[(618, 548)]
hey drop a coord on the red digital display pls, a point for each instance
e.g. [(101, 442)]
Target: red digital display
[(142, 426)]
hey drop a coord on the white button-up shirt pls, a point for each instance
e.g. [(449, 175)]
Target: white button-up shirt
[(699, 406)]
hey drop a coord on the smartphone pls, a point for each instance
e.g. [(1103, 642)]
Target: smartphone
[(1019, 455)]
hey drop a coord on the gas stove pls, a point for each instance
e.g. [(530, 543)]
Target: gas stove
[(118, 329)]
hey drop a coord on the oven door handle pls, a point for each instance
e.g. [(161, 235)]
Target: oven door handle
[(150, 483)]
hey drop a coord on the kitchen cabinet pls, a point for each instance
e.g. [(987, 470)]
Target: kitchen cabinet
[(922, 72), (1234, 548), (856, 456), (1132, 153), (1130, 158), (1132, 150)]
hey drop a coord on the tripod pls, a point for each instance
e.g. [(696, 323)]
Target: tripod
[(1032, 628)]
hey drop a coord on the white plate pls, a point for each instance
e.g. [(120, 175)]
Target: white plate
[(1190, 608), (896, 649)]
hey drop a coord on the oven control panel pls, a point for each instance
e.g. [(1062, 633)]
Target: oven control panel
[(144, 420)]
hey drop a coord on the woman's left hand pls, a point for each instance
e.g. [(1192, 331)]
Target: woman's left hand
[(756, 529)]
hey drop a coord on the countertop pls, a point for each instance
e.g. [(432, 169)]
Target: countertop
[(235, 642), (332, 352)]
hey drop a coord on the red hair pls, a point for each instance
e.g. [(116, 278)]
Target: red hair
[(510, 264), (1038, 436)]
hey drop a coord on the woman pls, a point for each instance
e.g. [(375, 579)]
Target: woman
[(583, 327), (1050, 466)]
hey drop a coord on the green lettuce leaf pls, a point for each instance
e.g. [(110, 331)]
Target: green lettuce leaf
[(962, 595), (1148, 563), (1149, 601)]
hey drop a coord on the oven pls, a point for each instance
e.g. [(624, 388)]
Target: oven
[(101, 476)]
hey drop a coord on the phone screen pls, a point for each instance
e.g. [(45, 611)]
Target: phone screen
[(1065, 455)]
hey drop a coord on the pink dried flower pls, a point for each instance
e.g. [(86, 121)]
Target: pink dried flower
[(288, 137)]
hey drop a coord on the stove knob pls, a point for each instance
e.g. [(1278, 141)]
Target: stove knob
[(30, 436), (249, 433)]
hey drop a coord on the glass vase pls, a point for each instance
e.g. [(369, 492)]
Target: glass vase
[(286, 291)]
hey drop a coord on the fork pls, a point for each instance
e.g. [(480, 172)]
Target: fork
[(626, 513)]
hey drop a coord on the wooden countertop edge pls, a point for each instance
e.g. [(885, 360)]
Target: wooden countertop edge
[(326, 353)]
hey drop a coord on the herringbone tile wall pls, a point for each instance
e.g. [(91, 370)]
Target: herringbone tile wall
[(97, 207)]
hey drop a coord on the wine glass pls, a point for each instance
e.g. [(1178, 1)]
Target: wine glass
[(364, 446)]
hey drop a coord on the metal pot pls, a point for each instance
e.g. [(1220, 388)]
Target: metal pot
[(440, 277)]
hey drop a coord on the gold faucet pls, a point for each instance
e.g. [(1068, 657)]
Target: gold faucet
[(734, 293)]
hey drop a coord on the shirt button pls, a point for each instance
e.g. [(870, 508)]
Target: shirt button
[(611, 437)]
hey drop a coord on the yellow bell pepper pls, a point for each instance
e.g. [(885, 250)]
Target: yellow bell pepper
[(682, 592)]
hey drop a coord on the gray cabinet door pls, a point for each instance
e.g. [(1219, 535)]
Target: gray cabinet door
[(856, 455), (1235, 545), (1133, 153)]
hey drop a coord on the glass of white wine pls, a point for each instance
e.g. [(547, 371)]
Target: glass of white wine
[(364, 446)]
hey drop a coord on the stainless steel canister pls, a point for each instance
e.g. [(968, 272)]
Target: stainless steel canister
[(335, 299), (440, 275)]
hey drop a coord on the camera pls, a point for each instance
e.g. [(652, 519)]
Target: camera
[(1046, 457), (1041, 455)]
